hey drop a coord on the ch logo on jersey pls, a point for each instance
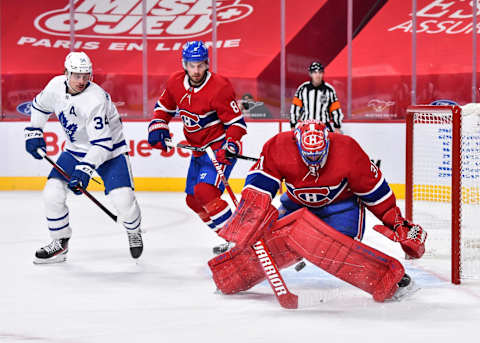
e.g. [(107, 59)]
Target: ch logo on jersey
[(69, 128), (316, 196), (190, 121), (313, 197)]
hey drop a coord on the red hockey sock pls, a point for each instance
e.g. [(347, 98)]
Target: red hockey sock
[(219, 211), (198, 209), (205, 193), (209, 197)]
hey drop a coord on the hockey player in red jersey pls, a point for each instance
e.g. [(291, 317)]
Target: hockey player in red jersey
[(206, 103), (330, 180)]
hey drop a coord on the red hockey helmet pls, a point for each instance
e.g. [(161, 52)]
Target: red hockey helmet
[(312, 142)]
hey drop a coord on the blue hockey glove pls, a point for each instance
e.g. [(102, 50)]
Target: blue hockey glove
[(34, 141), (158, 132), (80, 177), (229, 150)]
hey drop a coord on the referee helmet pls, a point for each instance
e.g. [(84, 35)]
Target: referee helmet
[(316, 66)]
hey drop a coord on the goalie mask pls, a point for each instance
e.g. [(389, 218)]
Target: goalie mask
[(312, 142)]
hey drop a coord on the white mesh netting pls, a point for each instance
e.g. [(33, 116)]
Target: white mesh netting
[(432, 162)]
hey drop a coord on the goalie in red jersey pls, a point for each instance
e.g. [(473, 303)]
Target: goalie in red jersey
[(211, 117), (330, 180)]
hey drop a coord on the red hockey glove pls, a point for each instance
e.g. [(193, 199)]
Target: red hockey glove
[(411, 237), (229, 150)]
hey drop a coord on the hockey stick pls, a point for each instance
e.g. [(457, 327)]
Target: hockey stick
[(275, 279), (218, 167), (193, 148), (83, 190)]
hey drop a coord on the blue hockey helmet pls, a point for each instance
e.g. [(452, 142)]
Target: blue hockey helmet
[(312, 142), (194, 51)]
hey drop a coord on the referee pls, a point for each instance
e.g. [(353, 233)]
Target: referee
[(316, 99)]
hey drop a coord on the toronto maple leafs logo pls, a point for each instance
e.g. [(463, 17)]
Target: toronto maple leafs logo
[(69, 128)]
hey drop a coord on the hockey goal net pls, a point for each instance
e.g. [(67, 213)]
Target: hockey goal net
[(443, 184)]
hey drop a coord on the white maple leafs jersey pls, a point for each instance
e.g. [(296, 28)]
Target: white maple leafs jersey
[(89, 119)]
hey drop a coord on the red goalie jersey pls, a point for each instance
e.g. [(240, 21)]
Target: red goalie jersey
[(209, 112), (348, 172)]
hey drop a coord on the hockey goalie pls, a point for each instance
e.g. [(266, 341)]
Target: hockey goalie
[(330, 181)]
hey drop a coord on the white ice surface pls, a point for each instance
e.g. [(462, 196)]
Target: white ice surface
[(101, 295)]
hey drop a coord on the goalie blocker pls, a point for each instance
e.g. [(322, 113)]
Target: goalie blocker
[(303, 235)]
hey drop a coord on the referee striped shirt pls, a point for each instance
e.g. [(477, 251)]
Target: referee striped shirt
[(320, 103)]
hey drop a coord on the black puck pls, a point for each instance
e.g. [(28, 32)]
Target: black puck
[(300, 265)]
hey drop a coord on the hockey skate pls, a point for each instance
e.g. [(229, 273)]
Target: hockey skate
[(54, 252), (224, 247), (136, 243), (406, 287)]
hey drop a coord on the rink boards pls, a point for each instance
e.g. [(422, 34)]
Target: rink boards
[(383, 142)]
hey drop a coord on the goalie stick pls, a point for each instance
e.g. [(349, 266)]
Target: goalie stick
[(279, 287), (83, 190), (193, 148)]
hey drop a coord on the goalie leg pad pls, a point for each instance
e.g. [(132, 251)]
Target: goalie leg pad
[(276, 243), (349, 260), (253, 216), (56, 210), (238, 270)]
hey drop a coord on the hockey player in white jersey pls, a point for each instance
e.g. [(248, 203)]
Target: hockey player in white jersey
[(94, 141)]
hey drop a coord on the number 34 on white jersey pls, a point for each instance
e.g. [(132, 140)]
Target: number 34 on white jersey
[(90, 120)]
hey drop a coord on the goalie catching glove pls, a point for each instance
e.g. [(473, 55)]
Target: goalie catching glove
[(411, 237)]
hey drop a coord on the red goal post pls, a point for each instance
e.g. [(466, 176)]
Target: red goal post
[(442, 184)]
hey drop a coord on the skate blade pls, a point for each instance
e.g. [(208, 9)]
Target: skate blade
[(222, 248), (55, 259), (136, 252), (405, 293)]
